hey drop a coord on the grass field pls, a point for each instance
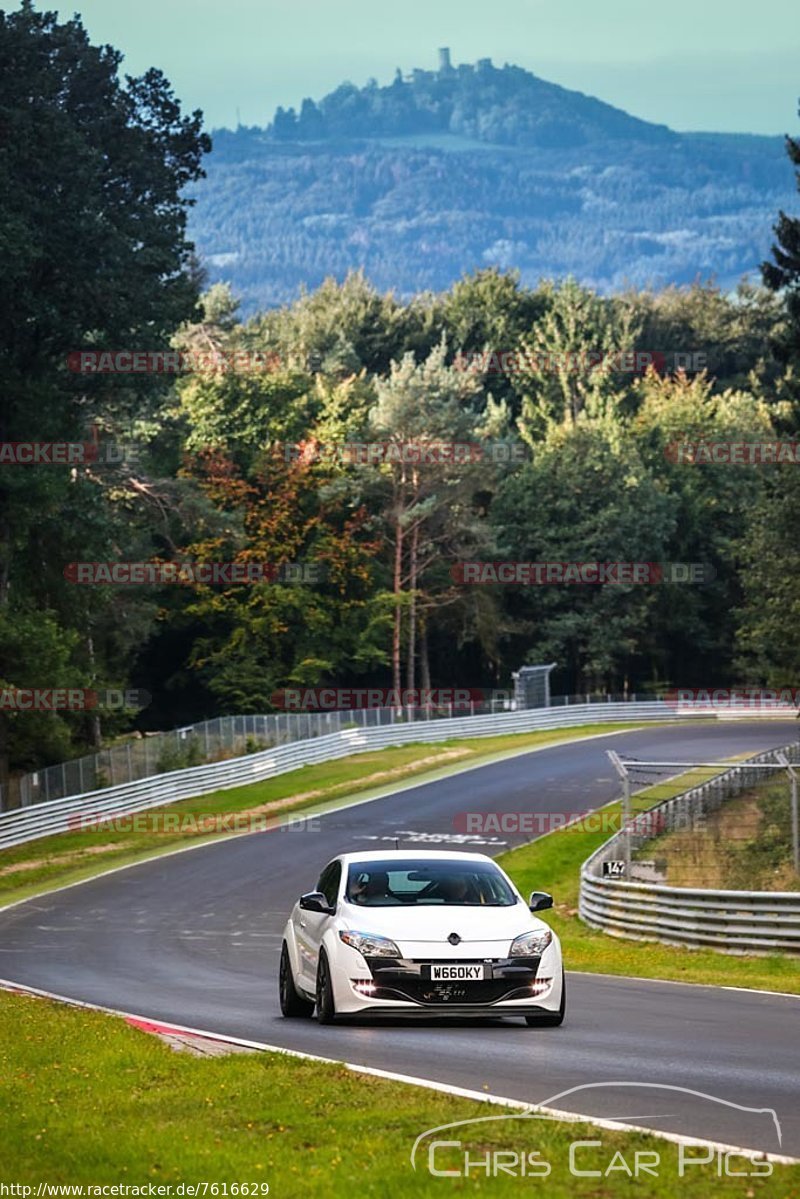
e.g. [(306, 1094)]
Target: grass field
[(88, 1100), (745, 845)]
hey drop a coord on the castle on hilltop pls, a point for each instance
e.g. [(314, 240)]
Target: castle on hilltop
[(446, 68)]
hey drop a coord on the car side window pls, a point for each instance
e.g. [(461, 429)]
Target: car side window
[(329, 882)]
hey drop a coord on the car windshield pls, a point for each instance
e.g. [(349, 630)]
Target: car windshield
[(417, 882)]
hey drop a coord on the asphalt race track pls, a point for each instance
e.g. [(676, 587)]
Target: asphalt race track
[(194, 938)]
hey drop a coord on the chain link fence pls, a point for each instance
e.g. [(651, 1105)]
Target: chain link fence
[(232, 736), (621, 896), (705, 794)]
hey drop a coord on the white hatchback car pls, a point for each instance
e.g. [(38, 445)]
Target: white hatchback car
[(403, 933)]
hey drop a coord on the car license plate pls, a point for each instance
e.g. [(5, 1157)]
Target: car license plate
[(444, 972)]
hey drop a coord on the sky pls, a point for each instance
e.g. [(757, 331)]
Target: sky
[(722, 65)]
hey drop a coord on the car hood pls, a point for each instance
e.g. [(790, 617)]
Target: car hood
[(434, 924)]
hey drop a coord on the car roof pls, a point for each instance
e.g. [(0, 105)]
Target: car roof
[(403, 855)]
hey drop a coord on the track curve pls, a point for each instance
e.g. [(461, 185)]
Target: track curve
[(194, 937)]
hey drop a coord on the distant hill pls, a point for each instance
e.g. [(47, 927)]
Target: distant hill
[(504, 107), (442, 172)]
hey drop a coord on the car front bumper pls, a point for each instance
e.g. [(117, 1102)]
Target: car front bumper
[(394, 987)]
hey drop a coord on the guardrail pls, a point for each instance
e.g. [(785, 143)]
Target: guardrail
[(62, 815), (755, 922), (150, 754)]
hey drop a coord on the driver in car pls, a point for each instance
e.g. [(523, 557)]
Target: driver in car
[(453, 889), (374, 887)]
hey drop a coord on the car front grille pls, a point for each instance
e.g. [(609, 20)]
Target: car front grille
[(409, 980)]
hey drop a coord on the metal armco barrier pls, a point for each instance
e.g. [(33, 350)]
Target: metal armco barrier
[(730, 921), (754, 922), (61, 815)]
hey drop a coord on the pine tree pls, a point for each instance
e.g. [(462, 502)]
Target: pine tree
[(783, 274)]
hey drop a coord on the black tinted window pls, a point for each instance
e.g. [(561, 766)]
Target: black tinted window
[(391, 883), (329, 882)]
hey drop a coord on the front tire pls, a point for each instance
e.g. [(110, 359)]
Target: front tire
[(551, 1019), (292, 1003), (326, 1007)]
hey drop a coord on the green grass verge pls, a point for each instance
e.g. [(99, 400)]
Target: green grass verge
[(88, 1100), (29, 869), (553, 864), (746, 845)]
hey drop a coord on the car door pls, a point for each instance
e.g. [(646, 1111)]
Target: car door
[(311, 926)]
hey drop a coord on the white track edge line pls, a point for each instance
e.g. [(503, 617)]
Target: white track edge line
[(411, 1080), (679, 982)]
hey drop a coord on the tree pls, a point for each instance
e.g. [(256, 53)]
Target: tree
[(586, 497), (693, 642), (488, 313), (569, 360), (94, 250), (245, 642), (732, 332), (783, 273), (340, 328), (429, 505), (768, 635)]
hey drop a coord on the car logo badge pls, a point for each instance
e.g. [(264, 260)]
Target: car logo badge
[(454, 939)]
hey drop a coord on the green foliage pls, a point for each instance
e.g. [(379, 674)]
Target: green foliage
[(35, 651), (782, 274), (94, 249), (587, 496), (769, 630), (242, 464), (576, 327), (178, 755)]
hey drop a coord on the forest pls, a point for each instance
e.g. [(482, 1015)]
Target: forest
[(261, 550)]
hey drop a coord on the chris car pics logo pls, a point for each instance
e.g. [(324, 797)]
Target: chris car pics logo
[(460, 1150)]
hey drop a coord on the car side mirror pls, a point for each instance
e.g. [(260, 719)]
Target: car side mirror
[(540, 900), (315, 901)]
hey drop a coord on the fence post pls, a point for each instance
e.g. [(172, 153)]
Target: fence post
[(784, 761)]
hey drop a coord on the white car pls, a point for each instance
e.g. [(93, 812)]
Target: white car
[(404, 933)]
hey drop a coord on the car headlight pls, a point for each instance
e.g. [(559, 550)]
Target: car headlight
[(370, 945), (530, 945)]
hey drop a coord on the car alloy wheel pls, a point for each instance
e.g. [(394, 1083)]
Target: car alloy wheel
[(326, 1008), (292, 1004)]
